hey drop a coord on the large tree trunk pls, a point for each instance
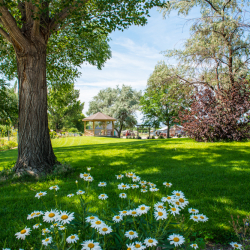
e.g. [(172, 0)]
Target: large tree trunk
[(168, 133), (35, 153)]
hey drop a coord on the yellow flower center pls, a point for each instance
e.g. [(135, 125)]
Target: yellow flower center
[(181, 200), (236, 245), (36, 225), (105, 229), (119, 175), (55, 187), (91, 245), (143, 186), (55, 224), (178, 194), (131, 233), (177, 203), (98, 222), (72, 237), (137, 245), (130, 174), (123, 186), (103, 195), (133, 212), (51, 215), (32, 214), (47, 239), (173, 209), (176, 239), (124, 212), (92, 217), (144, 190), (89, 178), (169, 197), (129, 248), (80, 191), (40, 194), (160, 206), (117, 217), (123, 194), (61, 227), (23, 231), (193, 210), (85, 175), (202, 217), (195, 217), (150, 241), (64, 217), (143, 208), (194, 245), (37, 213), (160, 213)]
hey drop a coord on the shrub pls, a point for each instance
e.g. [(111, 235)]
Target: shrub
[(161, 137), (152, 137), (73, 130), (218, 114)]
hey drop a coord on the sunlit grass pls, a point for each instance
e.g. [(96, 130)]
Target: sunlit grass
[(213, 176)]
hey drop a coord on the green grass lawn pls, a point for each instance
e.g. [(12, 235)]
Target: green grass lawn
[(213, 176)]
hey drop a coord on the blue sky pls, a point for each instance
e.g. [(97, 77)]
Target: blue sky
[(135, 52)]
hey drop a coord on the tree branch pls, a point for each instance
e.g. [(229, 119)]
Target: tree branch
[(212, 6), (5, 35), (36, 25)]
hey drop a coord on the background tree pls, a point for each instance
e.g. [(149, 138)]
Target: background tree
[(120, 103), (60, 35), (164, 96), (64, 108), (8, 104), (217, 53)]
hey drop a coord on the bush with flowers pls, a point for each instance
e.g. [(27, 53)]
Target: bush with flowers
[(130, 226)]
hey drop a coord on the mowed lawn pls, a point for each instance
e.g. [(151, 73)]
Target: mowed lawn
[(213, 176)]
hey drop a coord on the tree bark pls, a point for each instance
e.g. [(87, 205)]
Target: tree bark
[(168, 136), (35, 153)]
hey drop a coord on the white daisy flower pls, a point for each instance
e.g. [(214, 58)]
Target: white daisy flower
[(194, 245), (136, 178), (174, 210), (161, 214), (183, 202), (23, 233), (176, 239), (54, 187), (134, 212), (168, 199), (150, 242), (104, 229), (124, 213), (143, 182), (65, 217), (193, 211), (144, 190), (139, 246), (70, 195), (130, 175), (45, 231), (55, 225), (72, 238), (102, 184), (88, 168), (117, 218), (144, 186), (123, 186), (97, 223), (38, 213), (152, 184), (79, 192), (123, 195), (47, 241), (167, 184), (84, 175), (153, 189), (91, 218), (120, 176), (130, 246), (6, 249), (202, 217), (40, 194), (76, 181), (31, 216), (235, 245), (176, 203), (142, 209), (89, 179), (178, 194), (131, 234), (37, 225), (194, 217), (159, 205), (102, 197), (50, 216), (134, 186), (61, 227), (90, 245)]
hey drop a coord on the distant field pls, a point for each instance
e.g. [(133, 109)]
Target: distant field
[(213, 176)]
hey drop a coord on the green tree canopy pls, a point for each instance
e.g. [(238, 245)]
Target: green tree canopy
[(64, 108), (120, 103), (165, 95)]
